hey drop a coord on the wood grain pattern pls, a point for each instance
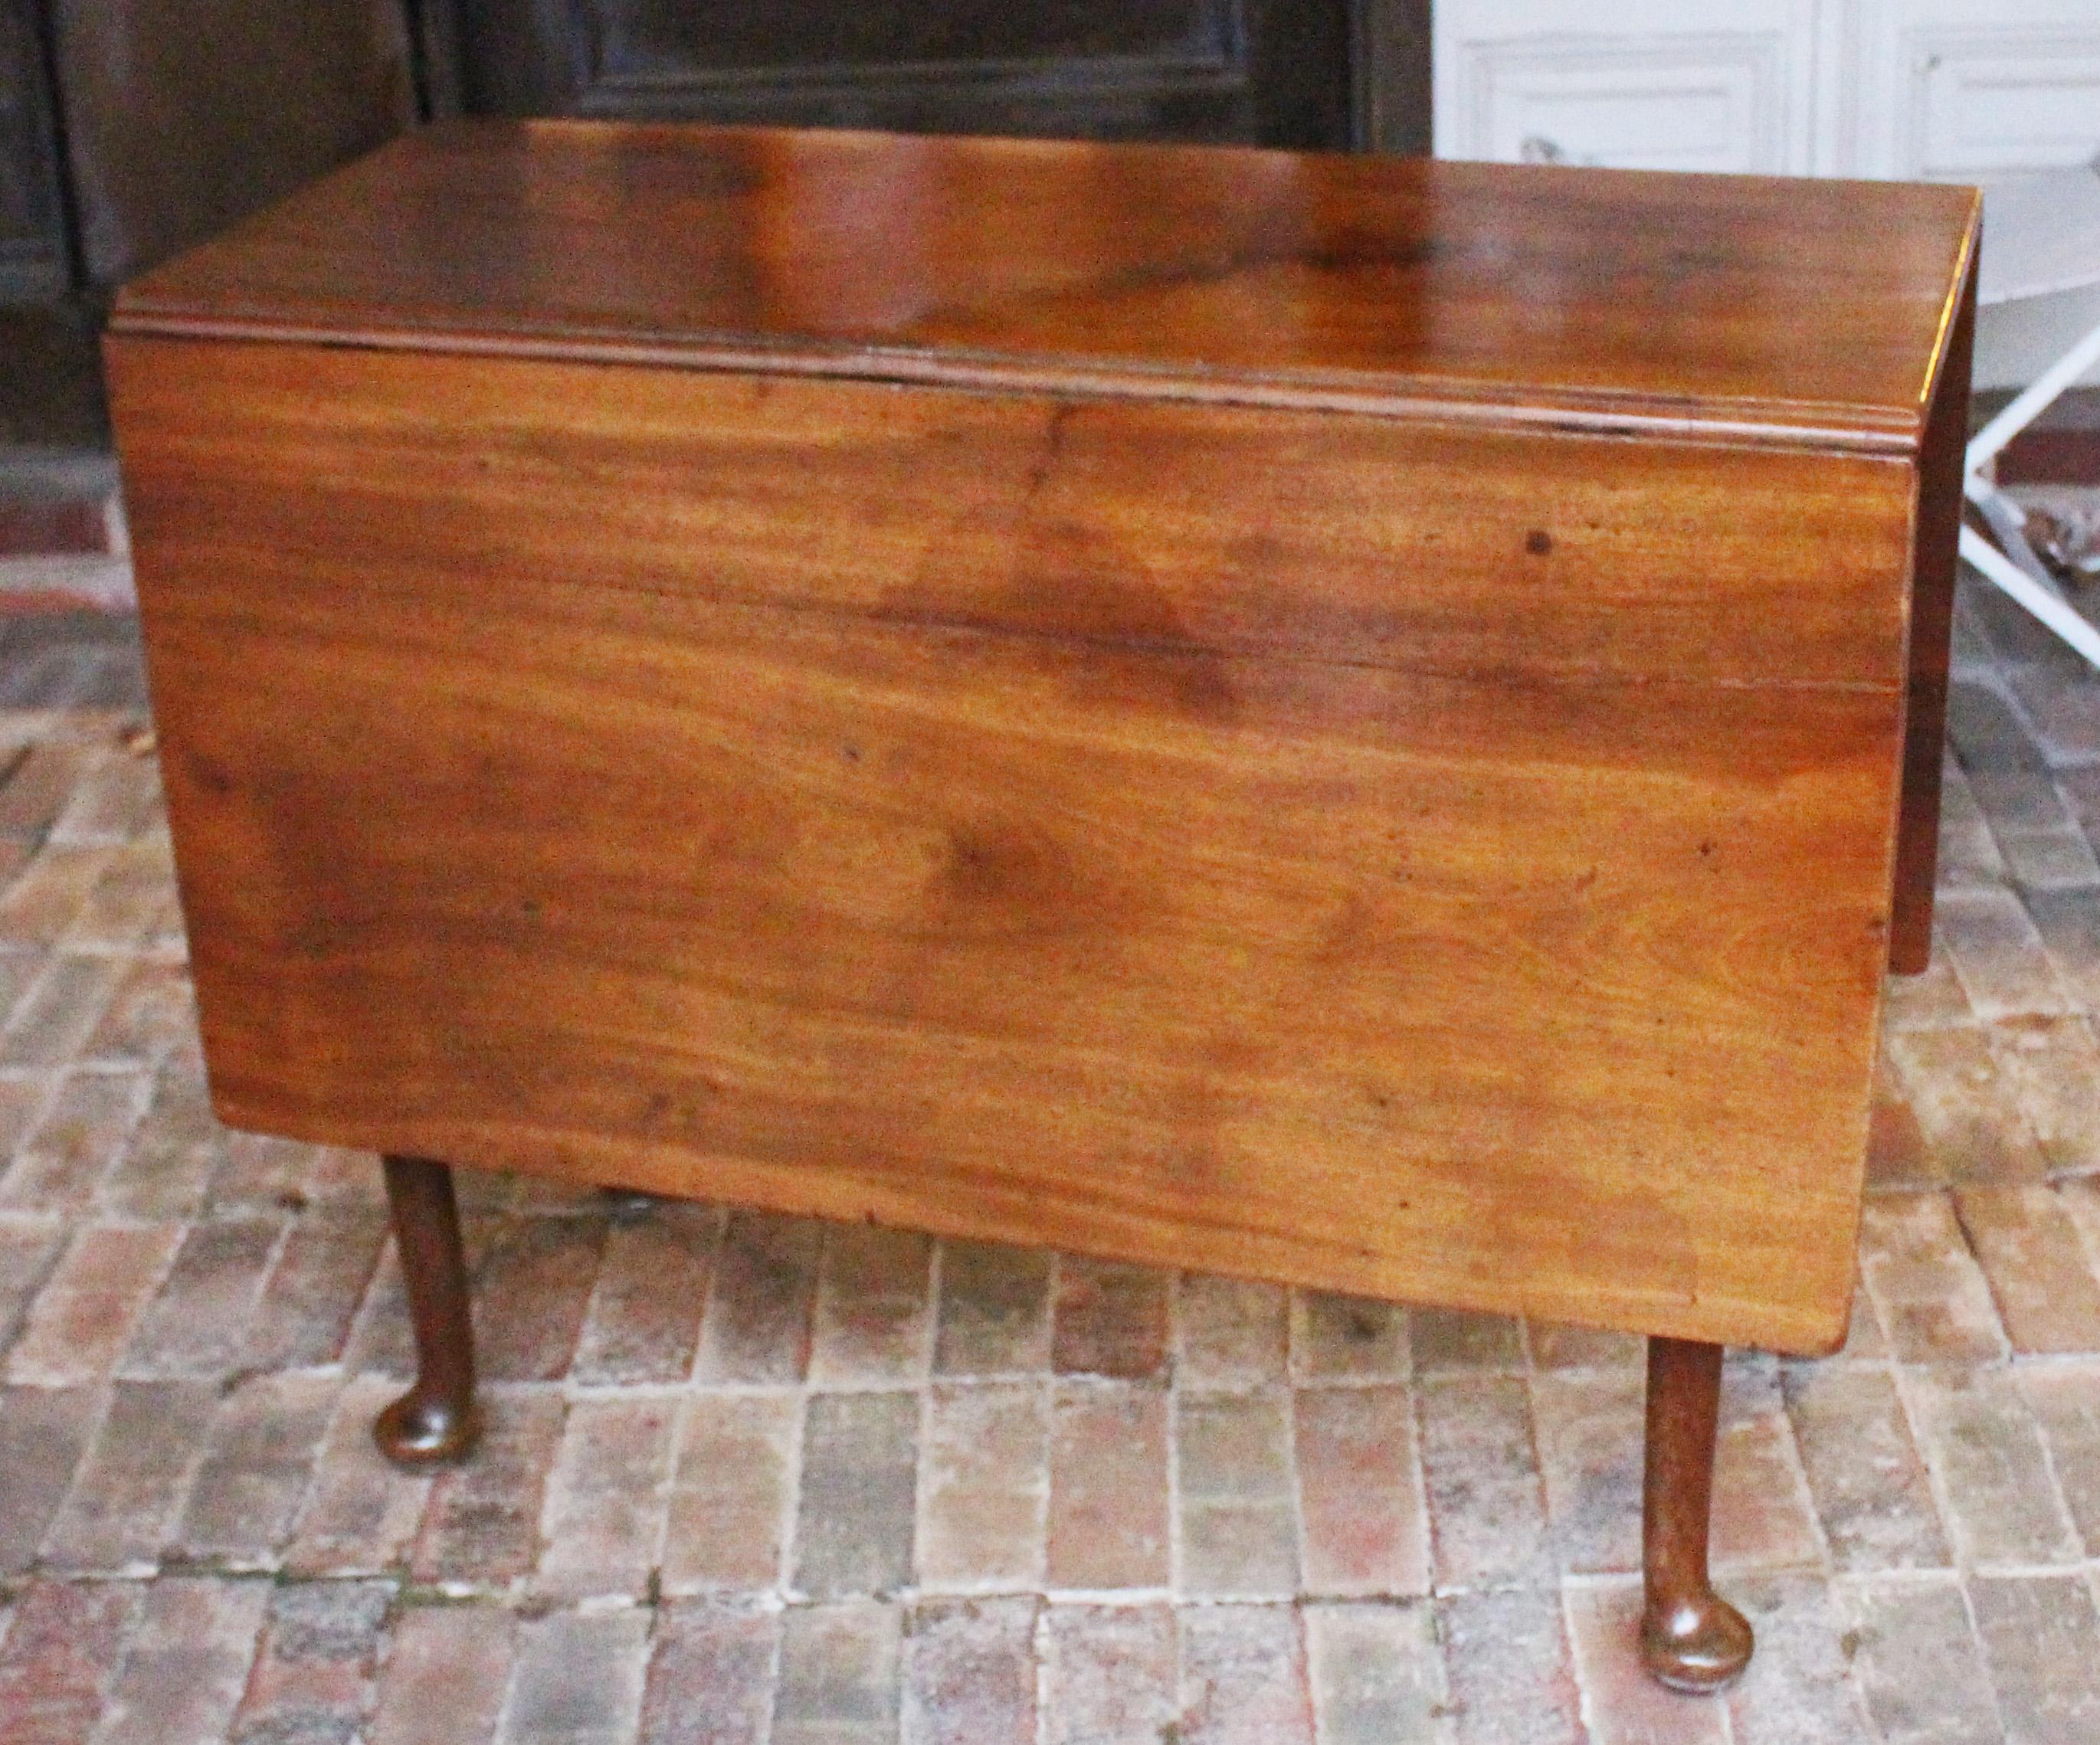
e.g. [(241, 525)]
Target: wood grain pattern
[(1216, 531), (908, 806), (1794, 310)]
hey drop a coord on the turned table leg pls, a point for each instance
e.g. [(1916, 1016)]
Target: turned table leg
[(1691, 1637), (435, 1419)]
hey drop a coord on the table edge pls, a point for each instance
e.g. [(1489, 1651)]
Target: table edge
[(1836, 427)]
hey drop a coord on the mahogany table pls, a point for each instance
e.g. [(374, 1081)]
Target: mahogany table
[(1371, 724)]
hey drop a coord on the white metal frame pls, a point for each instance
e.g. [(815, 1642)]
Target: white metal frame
[(2045, 256), (2040, 598), (2017, 570)]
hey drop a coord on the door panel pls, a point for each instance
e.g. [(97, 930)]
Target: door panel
[(180, 120), (33, 254), (1273, 71), (1985, 104), (1725, 85)]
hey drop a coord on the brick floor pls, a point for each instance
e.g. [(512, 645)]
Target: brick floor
[(749, 1478)]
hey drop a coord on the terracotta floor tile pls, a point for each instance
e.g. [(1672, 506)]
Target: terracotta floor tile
[(860, 1461), (1237, 1527), (447, 1674), (710, 1677), (1513, 1679), (1992, 1472), (995, 1311), (1109, 1515), (129, 1489), (760, 1300), (480, 1531), (60, 1658), (2040, 1274), (874, 1318), (360, 1512), (1974, 1127), (1625, 1706), (751, 1477), (258, 1459), (1930, 1295), (1800, 1685), (732, 1493), (2065, 1400), (643, 1322), (968, 1673), (1334, 1336), (44, 1431), (604, 1514), (83, 1318), (1762, 1518), (186, 1663), (2041, 1641), (577, 1679), (1111, 1675), (316, 1675), (1377, 1674), (1486, 1505), (838, 1678), (2051, 1065), (1360, 1497), (1589, 1429), (1109, 1319), (984, 1487), (1233, 1332), (1869, 1485), (1244, 1676)]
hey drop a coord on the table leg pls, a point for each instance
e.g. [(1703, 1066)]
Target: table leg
[(1691, 1637), (435, 1420), (1933, 566)]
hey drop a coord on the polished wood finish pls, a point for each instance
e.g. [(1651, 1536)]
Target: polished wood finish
[(1691, 1638), (1943, 464), (436, 1420), (1807, 313), (1343, 722), (1064, 820), (1244, 765)]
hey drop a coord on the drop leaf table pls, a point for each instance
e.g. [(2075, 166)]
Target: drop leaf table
[(1365, 722)]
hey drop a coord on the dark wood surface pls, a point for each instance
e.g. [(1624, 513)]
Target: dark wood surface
[(1803, 312), (1691, 1638), (438, 1419), (1942, 467), (1450, 865)]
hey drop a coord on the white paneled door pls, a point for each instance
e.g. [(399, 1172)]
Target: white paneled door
[(1952, 89), (1722, 85)]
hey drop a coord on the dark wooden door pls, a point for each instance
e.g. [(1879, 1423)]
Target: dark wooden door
[(33, 256), (1273, 71), (180, 119)]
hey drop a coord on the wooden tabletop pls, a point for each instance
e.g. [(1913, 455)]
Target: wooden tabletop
[(1781, 310)]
